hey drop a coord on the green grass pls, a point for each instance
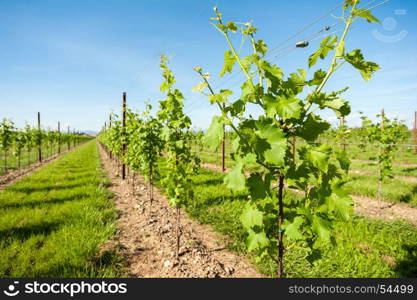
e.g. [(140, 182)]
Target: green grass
[(393, 190), (53, 221), (365, 248), (404, 155), (408, 171)]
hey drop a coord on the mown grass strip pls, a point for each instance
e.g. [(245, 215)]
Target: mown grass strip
[(365, 248), (394, 190), (53, 221)]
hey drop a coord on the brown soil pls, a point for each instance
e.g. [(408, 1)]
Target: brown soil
[(147, 237), (366, 206), (384, 210), (13, 176)]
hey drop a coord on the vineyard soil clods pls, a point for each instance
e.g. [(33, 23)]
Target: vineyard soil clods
[(148, 240)]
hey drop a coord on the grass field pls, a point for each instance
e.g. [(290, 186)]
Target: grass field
[(365, 248), (53, 221), (394, 190)]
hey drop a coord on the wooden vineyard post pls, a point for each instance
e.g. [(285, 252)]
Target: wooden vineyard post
[(223, 146), (415, 132), (39, 138), (59, 137), (123, 135)]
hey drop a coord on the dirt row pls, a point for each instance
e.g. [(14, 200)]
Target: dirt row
[(366, 206), (147, 236)]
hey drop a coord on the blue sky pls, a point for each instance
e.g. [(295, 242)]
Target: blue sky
[(71, 60)]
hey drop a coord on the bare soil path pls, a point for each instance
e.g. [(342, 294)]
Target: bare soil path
[(147, 238), (366, 206)]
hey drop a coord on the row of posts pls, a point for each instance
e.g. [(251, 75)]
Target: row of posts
[(59, 138)]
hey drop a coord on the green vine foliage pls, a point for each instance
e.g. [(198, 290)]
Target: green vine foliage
[(386, 134), (145, 143), (133, 153), (112, 137), (16, 140), (320, 172), (19, 144), (7, 133), (341, 135), (30, 138), (177, 137)]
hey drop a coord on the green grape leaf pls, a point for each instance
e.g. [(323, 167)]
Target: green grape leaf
[(339, 106), (318, 77), (249, 158), (214, 134), (251, 217), (256, 240), (276, 139), (221, 97), (321, 227), (257, 187), (367, 15), (343, 160), (295, 83), (272, 73), (236, 108), (326, 45), (292, 230), (288, 108), (229, 61), (342, 206), (340, 49), (319, 157), (312, 128), (235, 180), (366, 68), (231, 26), (261, 47), (247, 61), (199, 87)]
